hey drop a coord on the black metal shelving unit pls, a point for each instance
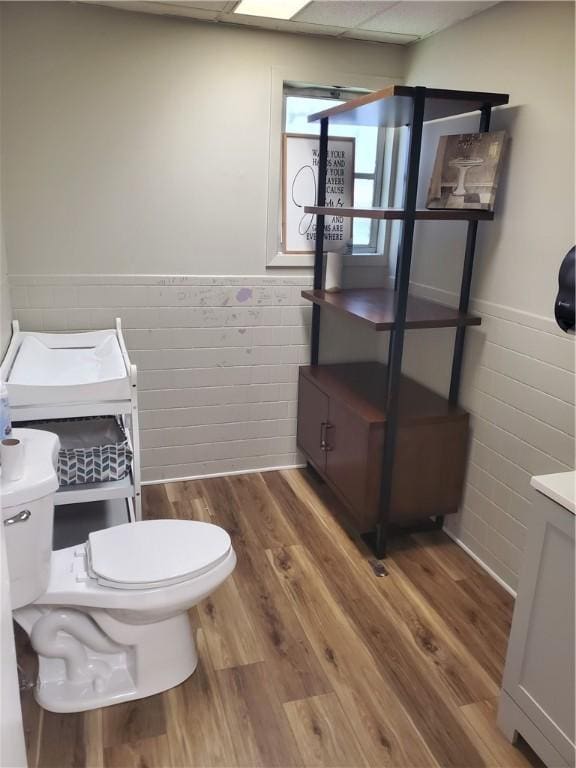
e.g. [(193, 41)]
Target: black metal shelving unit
[(399, 106)]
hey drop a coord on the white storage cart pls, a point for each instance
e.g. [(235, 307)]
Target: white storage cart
[(53, 376)]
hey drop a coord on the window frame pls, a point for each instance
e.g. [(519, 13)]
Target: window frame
[(322, 78), (347, 94)]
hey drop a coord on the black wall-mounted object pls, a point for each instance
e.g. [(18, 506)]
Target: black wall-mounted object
[(564, 306)]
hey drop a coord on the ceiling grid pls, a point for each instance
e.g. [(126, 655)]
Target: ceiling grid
[(400, 23)]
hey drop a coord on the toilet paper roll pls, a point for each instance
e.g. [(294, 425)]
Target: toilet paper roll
[(333, 274), (12, 459)]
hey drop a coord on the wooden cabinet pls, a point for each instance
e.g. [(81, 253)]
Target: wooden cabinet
[(341, 430), (537, 699)]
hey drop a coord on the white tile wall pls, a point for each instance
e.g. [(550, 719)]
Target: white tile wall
[(518, 385), (217, 360)]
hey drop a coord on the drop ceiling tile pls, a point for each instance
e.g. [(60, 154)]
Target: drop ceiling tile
[(379, 37), (167, 9), (192, 13), (314, 29), (212, 5), (341, 13), (423, 18), (280, 25)]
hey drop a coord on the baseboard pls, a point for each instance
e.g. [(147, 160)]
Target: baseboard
[(481, 563), (221, 474)]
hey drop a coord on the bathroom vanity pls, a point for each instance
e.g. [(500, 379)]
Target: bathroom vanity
[(537, 700)]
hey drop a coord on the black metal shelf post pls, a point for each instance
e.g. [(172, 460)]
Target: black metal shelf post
[(319, 246), (466, 285), (396, 344)]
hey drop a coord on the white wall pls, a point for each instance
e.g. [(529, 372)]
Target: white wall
[(525, 49), (518, 381), (5, 304), (139, 144)]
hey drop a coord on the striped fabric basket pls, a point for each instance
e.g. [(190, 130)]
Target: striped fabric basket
[(92, 450)]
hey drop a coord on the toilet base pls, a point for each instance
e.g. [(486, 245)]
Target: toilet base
[(68, 696), (89, 660)]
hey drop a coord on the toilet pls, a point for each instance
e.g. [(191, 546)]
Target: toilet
[(108, 618)]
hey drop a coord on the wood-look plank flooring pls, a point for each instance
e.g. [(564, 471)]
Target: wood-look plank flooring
[(310, 655)]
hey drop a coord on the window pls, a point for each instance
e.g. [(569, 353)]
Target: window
[(301, 101)]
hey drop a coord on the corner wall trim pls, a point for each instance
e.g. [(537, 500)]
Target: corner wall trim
[(481, 563)]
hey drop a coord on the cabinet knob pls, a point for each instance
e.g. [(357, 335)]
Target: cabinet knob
[(324, 427)]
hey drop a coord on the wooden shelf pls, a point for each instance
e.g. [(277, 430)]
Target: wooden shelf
[(422, 214), (77, 494), (392, 106), (375, 306)]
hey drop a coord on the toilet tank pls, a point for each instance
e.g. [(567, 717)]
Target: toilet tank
[(28, 516)]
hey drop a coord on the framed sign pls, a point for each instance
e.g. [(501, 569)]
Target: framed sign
[(300, 159), (466, 171)]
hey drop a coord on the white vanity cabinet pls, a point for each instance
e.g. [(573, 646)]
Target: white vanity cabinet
[(537, 700)]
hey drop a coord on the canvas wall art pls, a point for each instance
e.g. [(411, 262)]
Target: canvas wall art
[(466, 171)]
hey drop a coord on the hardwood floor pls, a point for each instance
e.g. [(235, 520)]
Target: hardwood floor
[(310, 654)]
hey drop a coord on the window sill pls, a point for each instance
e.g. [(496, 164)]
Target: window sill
[(304, 260)]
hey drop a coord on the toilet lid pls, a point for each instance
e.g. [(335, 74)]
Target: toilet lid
[(155, 553)]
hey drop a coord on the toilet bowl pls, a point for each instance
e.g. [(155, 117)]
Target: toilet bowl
[(108, 618)]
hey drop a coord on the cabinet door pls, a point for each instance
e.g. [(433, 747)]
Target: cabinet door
[(347, 460), (540, 667), (312, 419)]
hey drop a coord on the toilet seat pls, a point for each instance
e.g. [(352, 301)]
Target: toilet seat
[(154, 553)]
